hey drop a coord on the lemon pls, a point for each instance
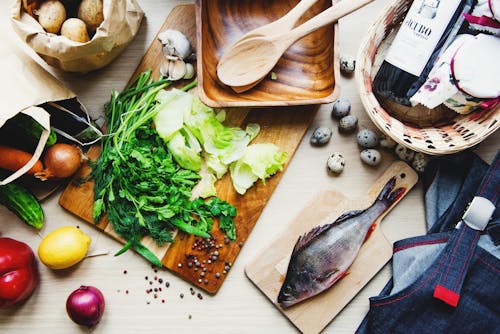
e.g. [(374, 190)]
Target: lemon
[(63, 247)]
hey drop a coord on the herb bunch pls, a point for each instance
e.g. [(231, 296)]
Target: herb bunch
[(138, 183)]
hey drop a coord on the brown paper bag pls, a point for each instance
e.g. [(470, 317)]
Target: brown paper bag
[(122, 19), (29, 86)]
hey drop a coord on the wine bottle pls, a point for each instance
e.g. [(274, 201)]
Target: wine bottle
[(429, 26)]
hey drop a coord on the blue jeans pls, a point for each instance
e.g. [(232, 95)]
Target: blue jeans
[(446, 281)]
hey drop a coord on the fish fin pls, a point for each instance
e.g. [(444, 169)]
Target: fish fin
[(305, 239), (344, 274), (327, 277), (333, 277), (370, 231), (348, 215)]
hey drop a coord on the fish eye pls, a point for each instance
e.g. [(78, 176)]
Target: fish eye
[(288, 290)]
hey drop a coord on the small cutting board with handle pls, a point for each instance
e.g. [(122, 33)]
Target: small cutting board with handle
[(268, 270)]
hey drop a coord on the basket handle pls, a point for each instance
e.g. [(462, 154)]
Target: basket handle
[(42, 117)]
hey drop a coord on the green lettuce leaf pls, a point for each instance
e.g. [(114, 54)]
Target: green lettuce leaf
[(186, 150), (260, 161), (170, 116), (215, 166)]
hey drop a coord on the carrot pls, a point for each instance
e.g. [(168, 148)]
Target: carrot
[(12, 159)]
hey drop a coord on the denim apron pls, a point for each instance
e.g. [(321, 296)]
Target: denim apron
[(446, 282)]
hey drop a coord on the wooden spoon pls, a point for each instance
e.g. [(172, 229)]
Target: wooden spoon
[(285, 23), (249, 61)]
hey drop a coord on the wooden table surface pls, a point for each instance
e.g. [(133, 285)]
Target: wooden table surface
[(238, 307)]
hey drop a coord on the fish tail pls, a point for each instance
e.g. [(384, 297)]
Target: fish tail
[(387, 196), (386, 191)]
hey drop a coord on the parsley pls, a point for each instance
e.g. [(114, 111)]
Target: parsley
[(138, 183)]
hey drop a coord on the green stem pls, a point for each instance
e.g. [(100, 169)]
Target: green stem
[(190, 85)]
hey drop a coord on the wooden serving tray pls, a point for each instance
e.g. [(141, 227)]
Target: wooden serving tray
[(268, 270), (306, 73), (284, 127)]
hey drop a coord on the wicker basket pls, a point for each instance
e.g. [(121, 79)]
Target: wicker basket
[(459, 133)]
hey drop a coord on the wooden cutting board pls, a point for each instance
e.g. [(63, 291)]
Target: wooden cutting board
[(268, 270), (283, 126)]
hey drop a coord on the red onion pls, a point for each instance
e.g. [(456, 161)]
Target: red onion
[(85, 305)]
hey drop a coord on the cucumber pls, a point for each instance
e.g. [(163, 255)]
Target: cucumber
[(29, 128), (21, 202)]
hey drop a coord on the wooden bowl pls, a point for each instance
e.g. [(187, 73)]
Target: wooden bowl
[(447, 133), (304, 75)]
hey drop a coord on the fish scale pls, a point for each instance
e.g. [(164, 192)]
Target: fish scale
[(322, 256)]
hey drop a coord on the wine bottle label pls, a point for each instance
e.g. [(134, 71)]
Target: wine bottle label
[(419, 34)]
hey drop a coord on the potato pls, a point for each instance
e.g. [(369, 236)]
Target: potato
[(75, 29), (91, 12), (51, 15)]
